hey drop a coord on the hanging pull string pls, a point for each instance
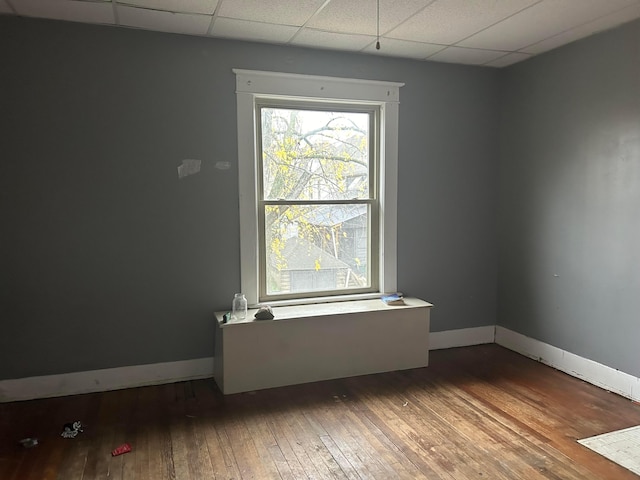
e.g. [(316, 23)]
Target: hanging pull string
[(378, 26)]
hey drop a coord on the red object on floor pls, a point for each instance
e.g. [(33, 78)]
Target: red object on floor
[(124, 448)]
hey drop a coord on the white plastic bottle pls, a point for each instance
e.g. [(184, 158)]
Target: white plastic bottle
[(239, 307)]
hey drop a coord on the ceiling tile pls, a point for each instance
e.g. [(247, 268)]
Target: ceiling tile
[(245, 30), (360, 16), (402, 48), (185, 23), (468, 56), (4, 7), (287, 12), (599, 25), (485, 32), (542, 21), (508, 59), (337, 41), (70, 10), (206, 7), (449, 21)]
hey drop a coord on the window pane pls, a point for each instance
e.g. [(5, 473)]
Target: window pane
[(316, 248), (314, 155)]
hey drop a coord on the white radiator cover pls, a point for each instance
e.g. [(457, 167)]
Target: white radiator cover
[(309, 343)]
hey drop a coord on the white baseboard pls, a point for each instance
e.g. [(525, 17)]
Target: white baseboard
[(463, 337), (104, 380), (593, 372), (155, 374)]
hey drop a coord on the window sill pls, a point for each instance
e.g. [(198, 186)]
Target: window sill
[(320, 300), (329, 308)]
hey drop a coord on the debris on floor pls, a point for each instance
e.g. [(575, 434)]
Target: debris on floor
[(71, 430), (124, 448), (29, 442)]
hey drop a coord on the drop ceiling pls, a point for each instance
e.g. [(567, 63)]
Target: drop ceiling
[(495, 33)]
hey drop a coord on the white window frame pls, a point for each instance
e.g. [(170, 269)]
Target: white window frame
[(252, 85)]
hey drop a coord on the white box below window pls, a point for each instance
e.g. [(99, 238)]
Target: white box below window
[(309, 343)]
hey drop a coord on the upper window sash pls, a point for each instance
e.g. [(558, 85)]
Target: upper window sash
[(371, 111)]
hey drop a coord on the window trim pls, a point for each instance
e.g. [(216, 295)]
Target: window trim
[(252, 84)]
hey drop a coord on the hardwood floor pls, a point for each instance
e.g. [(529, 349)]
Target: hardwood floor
[(476, 412)]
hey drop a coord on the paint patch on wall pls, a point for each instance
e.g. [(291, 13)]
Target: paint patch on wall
[(188, 167)]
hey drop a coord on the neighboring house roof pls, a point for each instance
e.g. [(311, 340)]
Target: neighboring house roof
[(329, 215), (302, 255)]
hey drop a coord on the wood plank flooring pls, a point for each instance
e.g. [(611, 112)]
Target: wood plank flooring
[(475, 412)]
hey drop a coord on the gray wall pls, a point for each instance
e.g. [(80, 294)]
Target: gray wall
[(107, 259), (569, 262)]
